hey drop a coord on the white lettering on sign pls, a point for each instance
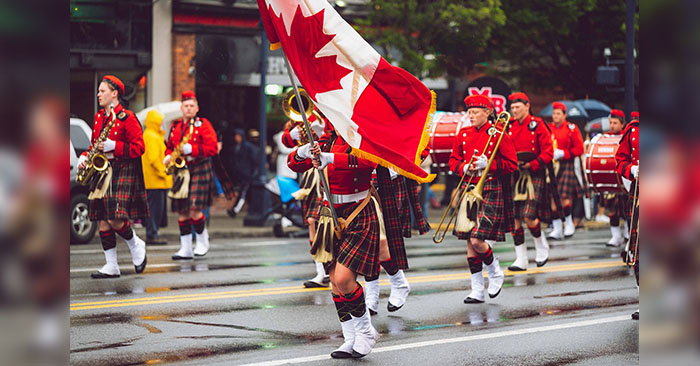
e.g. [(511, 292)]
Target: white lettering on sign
[(499, 101), (276, 66), (606, 149)]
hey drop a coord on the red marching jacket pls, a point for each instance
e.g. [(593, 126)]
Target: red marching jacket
[(347, 175), (471, 138), (203, 139), (627, 154), (569, 139), (532, 135), (126, 133)]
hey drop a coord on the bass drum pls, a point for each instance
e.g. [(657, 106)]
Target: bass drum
[(442, 136), (600, 165)]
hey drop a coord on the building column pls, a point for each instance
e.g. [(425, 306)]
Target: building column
[(160, 75)]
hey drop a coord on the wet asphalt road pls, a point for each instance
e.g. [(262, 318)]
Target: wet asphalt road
[(243, 303)]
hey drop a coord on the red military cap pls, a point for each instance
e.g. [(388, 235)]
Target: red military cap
[(559, 105), (478, 101), (616, 113), (635, 115), (115, 82), (187, 95), (519, 97)]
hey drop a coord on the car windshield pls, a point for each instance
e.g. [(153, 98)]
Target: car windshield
[(80, 140)]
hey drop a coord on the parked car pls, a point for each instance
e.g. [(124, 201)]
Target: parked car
[(82, 230)]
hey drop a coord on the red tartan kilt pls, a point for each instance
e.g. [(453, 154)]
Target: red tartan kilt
[(567, 183), (310, 206), (201, 187), (537, 207), (358, 250), (495, 218), (127, 198), (617, 205)]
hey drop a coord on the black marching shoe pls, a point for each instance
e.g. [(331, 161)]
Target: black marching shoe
[(99, 274), (141, 266), (635, 315), (341, 354), (540, 264), (471, 300), (391, 307), (372, 312)]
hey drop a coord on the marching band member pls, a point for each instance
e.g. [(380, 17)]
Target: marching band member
[(357, 252), (569, 147), (496, 216), (627, 159), (616, 204), (189, 199), (125, 197), (533, 143), (398, 197), (311, 201)]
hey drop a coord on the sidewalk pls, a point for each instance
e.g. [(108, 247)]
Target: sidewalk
[(220, 225)]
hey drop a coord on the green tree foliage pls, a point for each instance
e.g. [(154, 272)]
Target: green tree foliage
[(544, 43), (559, 43), (455, 32)]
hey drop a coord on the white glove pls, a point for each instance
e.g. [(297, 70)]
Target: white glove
[(304, 152), (480, 162), (317, 126), (186, 149), (635, 171), (82, 159), (166, 161), (326, 158), (558, 154), (295, 134), (109, 145)]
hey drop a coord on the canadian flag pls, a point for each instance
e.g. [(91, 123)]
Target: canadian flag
[(382, 111)]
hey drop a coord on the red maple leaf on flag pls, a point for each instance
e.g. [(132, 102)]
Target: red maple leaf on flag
[(316, 74)]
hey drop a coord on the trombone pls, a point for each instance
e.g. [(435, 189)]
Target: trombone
[(440, 231), (294, 112)]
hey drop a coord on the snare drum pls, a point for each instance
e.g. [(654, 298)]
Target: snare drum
[(600, 164), (442, 136)]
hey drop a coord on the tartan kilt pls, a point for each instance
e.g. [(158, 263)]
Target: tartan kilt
[(390, 202), (538, 206), (495, 218), (201, 187), (358, 250), (403, 204), (616, 204), (310, 206), (422, 221), (567, 183), (126, 198)]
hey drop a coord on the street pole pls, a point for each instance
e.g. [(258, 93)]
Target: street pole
[(259, 197), (629, 58)]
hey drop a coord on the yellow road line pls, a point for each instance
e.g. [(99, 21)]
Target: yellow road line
[(297, 289)]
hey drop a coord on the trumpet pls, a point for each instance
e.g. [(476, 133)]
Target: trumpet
[(634, 224), (440, 231), (293, 111)]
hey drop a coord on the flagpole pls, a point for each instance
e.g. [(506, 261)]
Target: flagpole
[(324, 182)]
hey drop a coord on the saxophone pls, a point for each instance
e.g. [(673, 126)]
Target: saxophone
[(96, 160), (177, 161)]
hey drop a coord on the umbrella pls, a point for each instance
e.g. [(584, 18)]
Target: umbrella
[(574, 112), (594, 108), (171, 111)]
